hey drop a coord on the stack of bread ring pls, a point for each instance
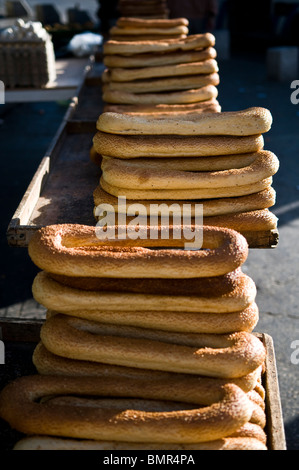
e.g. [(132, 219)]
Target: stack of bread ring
[(146, 345), (132, 29), (217, 160), (159, 75), (143, 8)]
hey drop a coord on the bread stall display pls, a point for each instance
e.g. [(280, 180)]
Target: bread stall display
[(132, 29), (149, 343), (216, 160), (168, 75)]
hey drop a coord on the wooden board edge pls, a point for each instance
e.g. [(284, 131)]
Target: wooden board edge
[(14, 330), (262, 239), (275, 425), (33, 191)]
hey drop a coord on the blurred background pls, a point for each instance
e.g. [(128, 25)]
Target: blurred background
[(252, 24)]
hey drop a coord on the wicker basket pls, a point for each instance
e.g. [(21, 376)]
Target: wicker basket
[(26, 61)]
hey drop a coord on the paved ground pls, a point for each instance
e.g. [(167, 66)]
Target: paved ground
[(26, 131), (244, 84)]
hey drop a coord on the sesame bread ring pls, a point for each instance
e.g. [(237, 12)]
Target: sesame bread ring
[(51, 364), (189, 164), (123, 74), (164, 108), (223, 356), (251, 431), (195, 95), (191, 42), (48, 363), (156, 60), (259, 220), (150, 146), (127, 22), (26, 406), (214, 286), (211, 207), (58, 297), (75, 250), (186, 194), (137, 175), (55, 443), (136, 32), (163, 84), (147, 37), (251, 121), (182, 322), (138, 404)]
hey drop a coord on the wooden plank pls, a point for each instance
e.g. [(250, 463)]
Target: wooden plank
[(89, 103), (262, 239), (67, 196), (20, 331), (18, 228), (56, 192), (275, 426)]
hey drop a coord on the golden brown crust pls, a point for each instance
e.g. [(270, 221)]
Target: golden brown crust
[(60, 298), (118, 74), (184, 322), (201, 286), (76, 250), (185, 44), (157, 59), (147, 37), (189, 164), (127, 146), (21, 405), (211, 207), (163, 84), (251, 431), (213, 355), (251, 121), (128, 22), (138, 175), (187, 194), (151, 30), (187, 96), (48, 363), (203, 106), (259, 220)]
